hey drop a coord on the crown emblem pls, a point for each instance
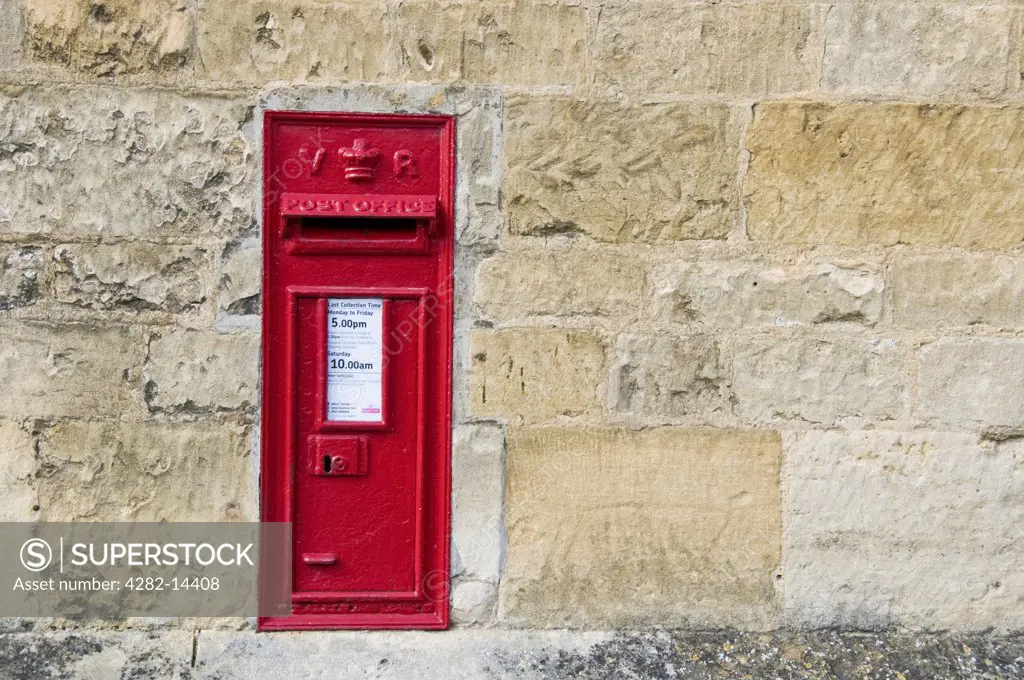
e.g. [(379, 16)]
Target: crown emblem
[(360, 161)]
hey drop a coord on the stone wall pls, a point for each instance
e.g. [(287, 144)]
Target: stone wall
[(740, 333)]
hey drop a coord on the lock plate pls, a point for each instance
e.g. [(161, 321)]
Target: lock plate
[(336, 456)]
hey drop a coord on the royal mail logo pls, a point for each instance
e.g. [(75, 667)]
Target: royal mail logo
[(359, 161)]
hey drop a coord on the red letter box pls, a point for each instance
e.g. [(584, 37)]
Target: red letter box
[(357, 345)]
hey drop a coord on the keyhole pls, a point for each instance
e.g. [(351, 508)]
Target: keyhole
[(327, 464)]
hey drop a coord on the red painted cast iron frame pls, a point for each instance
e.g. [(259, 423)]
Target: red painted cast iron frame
[(284, 285)]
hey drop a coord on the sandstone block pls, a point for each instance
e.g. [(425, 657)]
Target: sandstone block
[(916, 49), (1016, 81), (478, 167), (721, 49), (859, 174), (972, 380), (241, 279), (22, 270), (560, 283), (478, 471), (958, 290), (263, 40), (205, 370), (819, 380), (613, 528), (69, 369), (515, 43), (11, 34), (670, 375), (146, 472), (615, 172), (138, 277), (18, 483), (734, 294), (534, 374), (427, 40), (150, 165), (473, 602), (508, 43), (889, 529), (110, 38)]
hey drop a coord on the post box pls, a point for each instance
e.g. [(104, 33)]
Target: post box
[(357, 344)]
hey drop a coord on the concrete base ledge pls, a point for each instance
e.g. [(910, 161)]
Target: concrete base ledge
[(499, 654)]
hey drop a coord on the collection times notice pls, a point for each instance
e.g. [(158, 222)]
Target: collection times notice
[(355, 352)]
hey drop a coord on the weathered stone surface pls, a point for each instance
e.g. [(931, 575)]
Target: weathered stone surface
[(146, 164), (507, 43), (560, 283), (264, 40), (616, 172), (735, 294), (958, 290), (670, 375), (478, 473), (554, 655), (131, 276), (1016, 81), (819, 380), (10, 33), (534, 374), (885, 174), (95, 655), (615, 528), (916, 49), (241, 279), (377, 655), (473, 602), (98, 167), (747, 49), (18, 484), (526, 44), (502, 43), (145, 472), (502, 654), (888, 529), (427, 40), (112, 37), (22, 271), (972, 381), (478, 218), (69, 369), (202, 370)]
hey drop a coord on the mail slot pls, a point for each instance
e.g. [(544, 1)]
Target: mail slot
[(357, 342)]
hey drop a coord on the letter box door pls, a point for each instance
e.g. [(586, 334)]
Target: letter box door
[(357, 327)]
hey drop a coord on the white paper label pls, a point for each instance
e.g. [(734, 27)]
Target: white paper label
[(355, 353)]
